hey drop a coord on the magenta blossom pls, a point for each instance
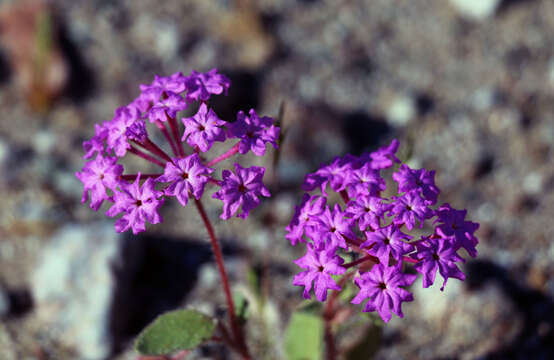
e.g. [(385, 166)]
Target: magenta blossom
[(410, 208), (96, 144), (438, 254), (422, 180), (201, 85), (254, 132), (137, 131), (174, 83), (334, 228), (241, 190), (306, 218), (369, 211), (98, 175), (138, 205), (387, 241), (452, 224), (385, 157), (187, 176), (203, 129), (337, 174), (320, 263), (167, 106), (117, 129), (365, 181), (382, 286)]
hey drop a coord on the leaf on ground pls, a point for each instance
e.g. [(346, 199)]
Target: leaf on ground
[(304, 337), (175, 330)]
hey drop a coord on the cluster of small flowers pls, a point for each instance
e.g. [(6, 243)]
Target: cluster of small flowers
[(186, 173), (372, 229)]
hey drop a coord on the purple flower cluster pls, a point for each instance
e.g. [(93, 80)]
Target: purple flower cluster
[(186, 173), (373, 230)]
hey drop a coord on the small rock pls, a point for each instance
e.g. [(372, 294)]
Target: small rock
[(401, 111), (433, 303), (44, 142), (483, 99), (208, 275), (533, 183), (476, 9), (4, 152), (73, 284)]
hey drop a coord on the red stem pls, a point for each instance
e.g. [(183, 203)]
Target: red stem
[(344, 196), (168, 137), (356, 242), (175, 130), (359, 261), (226, 337), (132, 177), (328, 315), (237, 331), (145, 156), (330, 346), (155, 149), (214, 181), (409, 260), (232, 151)]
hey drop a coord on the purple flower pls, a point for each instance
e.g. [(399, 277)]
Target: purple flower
[(188, 177), (241, 190), (137, 131), (334, 228), (169, 105), (410, 208), (382, 286), (320, 263), (174, 83), (338, 174), (201, 85), (203, 129), (422, 180), (364, 181), (96, 176), (146, 99), (387, 241), (368, 210), (138, 204), (436, 254), (385, 157), (117, 129), (306, 217), (254, 132), (452, 224), (96, 144)]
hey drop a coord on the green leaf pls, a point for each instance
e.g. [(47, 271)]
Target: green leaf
[(304, 337), (241, 307), (175, 330)]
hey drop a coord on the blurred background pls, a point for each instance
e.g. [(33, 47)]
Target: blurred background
[(466, 85)]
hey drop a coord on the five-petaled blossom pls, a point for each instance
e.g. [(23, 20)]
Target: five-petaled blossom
[(320, 263), (382, 287), (241, 190), (138, 205)]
